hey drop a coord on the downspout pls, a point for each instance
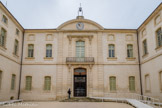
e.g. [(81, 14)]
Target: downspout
[(140, 73), (21, 66)]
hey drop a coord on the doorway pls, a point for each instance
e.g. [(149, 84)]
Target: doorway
[(80, 82)]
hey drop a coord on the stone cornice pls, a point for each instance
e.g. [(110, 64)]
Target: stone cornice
[(7, 12)]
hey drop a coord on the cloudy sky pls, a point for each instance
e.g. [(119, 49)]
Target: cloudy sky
[(108, 13)]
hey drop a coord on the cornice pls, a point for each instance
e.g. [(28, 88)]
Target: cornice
[(7, 12)]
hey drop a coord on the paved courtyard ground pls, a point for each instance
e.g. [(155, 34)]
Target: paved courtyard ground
[(67, 105)]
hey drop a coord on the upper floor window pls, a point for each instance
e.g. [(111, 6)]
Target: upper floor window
[(112, 83), (159, 37), (13, 81), (48, 50), (145, 47), (111, 50), (131, 83), (3, 37), (16, 47), (80, 49), (4, 19), (28, 83), (47, 83), (17, 32), (130, 51), (0, 79), (30, 50)]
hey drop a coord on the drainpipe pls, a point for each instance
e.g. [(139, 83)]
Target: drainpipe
[(139, 64), (21, 66)]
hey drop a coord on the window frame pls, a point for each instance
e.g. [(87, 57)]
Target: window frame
[(4, 19), (80, 48), (113, 54), (145, 47), (1, 76), (114, 89), (156, 36), (49, 51), (15, 52), (4, 39), (30, 53), (134, 81), (128, 51), (13, 81), (147, 75), (30, 83), (47, 87)]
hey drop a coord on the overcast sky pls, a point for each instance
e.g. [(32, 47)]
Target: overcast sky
[(125, 14)]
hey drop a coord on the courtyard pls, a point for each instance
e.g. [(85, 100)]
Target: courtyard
[(67, 105)]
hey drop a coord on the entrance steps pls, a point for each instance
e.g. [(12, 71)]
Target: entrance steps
[(81, 99)]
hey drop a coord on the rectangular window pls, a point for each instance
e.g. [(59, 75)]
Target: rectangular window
[(31, 50), (16, 47), (17, 32), (111, 50), (0, 79), (129, 51), (80, 49), (131, 83), (4, 19), (159, 37), (13, 81), (47, 83), (145, 47), (147, 83), (48, 50), (28, 83), (3, 37), (160, 75), (112, 83)]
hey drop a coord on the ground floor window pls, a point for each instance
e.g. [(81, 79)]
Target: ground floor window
[(28, 82), (47, 83), (112, 83), (147, 83), (131, 83)]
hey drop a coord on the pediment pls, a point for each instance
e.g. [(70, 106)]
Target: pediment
[(88, 25)]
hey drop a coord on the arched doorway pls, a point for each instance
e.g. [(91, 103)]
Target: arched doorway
[(80, 82)]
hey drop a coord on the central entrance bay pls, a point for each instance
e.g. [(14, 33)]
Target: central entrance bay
[(80, 82)]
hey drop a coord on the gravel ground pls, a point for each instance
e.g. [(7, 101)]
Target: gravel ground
[(67, 105)]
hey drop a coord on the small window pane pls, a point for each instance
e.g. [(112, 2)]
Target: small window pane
[(80, 49), (4, 19), (145, 47), (129, 51)]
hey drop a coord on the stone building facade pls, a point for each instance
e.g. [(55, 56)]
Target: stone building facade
[(42, 64)]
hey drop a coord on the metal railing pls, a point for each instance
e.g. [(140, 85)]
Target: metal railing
[(80, 59), (123, 96)]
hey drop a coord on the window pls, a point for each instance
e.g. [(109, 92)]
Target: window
[(131, 83), (49, 50), (160, 75), (0, 79), (145, 47), (130, 51), (112, 83), (47, 83), (31, 50), (80, 49), (28, 83), (17, 32), (13, 81), (147, 83), (159, 37), (4, 19), (16, 47), (111, 50), (3, 37)]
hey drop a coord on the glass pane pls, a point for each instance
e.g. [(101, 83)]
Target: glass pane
[(80, 49)]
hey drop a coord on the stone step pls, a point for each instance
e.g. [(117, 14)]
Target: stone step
[(81, 99)]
